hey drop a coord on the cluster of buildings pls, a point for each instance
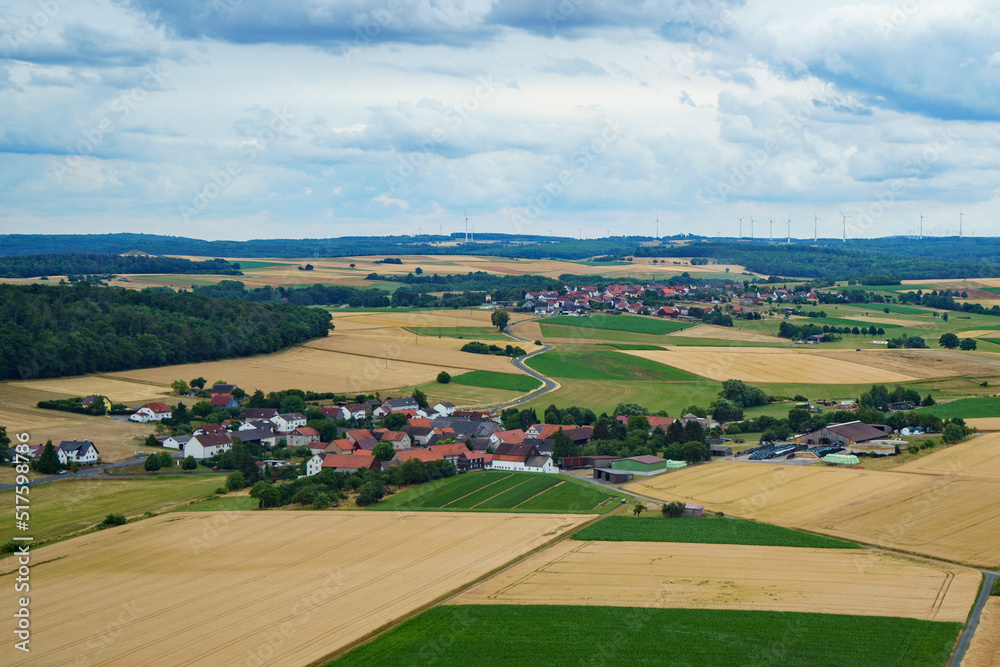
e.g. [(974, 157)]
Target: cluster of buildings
[(70, 451)]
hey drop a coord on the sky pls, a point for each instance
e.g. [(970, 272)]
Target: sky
[(241, 119)]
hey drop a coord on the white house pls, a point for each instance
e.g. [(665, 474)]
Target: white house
[(315, 465), (445, 409), (522, 458), (176, 442), (206, 445), (77, 451), (152, 412), (289, 421)]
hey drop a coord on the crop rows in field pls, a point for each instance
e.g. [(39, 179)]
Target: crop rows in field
[(647, 325), (704, 531), (494, 380)]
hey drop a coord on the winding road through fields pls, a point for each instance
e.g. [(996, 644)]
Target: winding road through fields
[(548, 383)]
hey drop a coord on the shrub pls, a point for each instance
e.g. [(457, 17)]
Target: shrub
[(9, 547), (114, 520), (673, 510), (189, 463), (235, 481), (220, 491), (152, 463), (444, 377)]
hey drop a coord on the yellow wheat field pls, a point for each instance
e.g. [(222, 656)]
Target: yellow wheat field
[(253, 588), (951, 516), (762, 364), (118, 390), (984, 423), (979, 457), (716, 576), (725, 333), (984, 651)]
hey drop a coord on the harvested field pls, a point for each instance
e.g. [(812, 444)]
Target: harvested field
[(984, 423), (984, 651), (726, 333), (348, 574), (700, 576), (407, 350), (953, 517), (978, 333), (129, 392), (771, 365), (929, 363), (528, 330), (978, 457)]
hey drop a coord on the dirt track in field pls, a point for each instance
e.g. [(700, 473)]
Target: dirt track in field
[(275, 588), (715, 576), (984, 651)]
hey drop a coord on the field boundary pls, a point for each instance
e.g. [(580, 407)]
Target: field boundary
[(475, 491)]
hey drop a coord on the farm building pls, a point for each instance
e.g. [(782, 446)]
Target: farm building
[(176, 442), (220, 389), (152, 412), (473, 460), (612, 475), (224, 401), (445, 408), (260, 436), (848, 433), (720, 450), (878, 447), (643, 466), (586, 461), (418, 454), (523, 457), (451, 452), (77, 451), (349, 463)]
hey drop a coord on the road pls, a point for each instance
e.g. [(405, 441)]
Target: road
[(970, 627), (548, 384), (99, 470)]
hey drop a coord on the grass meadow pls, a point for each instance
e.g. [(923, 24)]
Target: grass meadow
[(705, 530)]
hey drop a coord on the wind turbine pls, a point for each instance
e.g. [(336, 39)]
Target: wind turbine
[(960, 216), (473, 233), (466, 225), (440, 229), (789, 230), (921, 225), (420, 230), (815, 233), (741, 227), (771, 228), (845, 224), (550, 231), (657, 226), (751, 228), (580, 231)]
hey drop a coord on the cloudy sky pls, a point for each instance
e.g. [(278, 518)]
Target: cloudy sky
[(315, 118)]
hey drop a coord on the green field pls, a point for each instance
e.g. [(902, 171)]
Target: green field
[(602, 396), (498, 490), (706, 530), (64, 507), (471, 333), (842, 322), (251, 264), (966, 408), (223, 504), (553, 635), (633, 323), (631, 346), (590, 364), (494, 380)]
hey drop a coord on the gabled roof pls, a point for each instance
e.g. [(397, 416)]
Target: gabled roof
[(158, 407), (260, 413), (212, 439), (422, 422), (76, 445), (212, 428), (292, 416), (453, 449), (857, 431), (342, 444), (306, 430), (514, 436), (350, 461), (646, 459), (418, 454), (222, 389), (398, 403), (252, 435), (221, 400), (520, 451)]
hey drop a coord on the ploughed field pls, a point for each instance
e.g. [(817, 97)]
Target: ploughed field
[(274, 588)]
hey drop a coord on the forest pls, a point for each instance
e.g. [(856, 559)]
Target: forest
[(64, 264), (51, 331)]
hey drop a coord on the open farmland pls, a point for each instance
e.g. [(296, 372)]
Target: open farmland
[(703, 530), (783, 365), (980, 457), (492, 380), (733, 333), (967, 408), (348, 574), (633, 323), (64, 507), (953, 516), (984, 651), (589, 363), (498, 490), (652, 637), (698, 576)]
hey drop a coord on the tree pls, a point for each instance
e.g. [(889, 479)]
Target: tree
[(267, 494), (928, 401), (201, 409), (165, 459), (292, 403), (500, 318), (638, 423), (421, 398), (968, 344), (152, 463), (371, 492), (418, 271), (949, 340), (179, 386), (952, 433), (384, 451), (638, 508), (394, 421), (189, 463), (48, 461), (4, 445), (726, 411), (180, 413), (944, 317), (629, 409), (353, 265), (743, 394), (74, 468), (151, 441), (235, 481), (198, 383), (443, 377), (562, 445), (673, 510)]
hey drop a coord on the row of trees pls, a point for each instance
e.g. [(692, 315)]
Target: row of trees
[(951, 341), (28, 266)]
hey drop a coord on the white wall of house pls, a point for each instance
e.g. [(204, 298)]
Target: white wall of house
[(88, 456), (547, 467), (314, 465)]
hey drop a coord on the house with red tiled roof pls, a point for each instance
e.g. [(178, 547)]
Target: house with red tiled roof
[(224, 401), (522, 457), (347, 463), (152, 412), (422, 422), (341, 446), (417, 454), (450, 452), (473, 460), (361, 437), (399, 439), (513, 437)]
